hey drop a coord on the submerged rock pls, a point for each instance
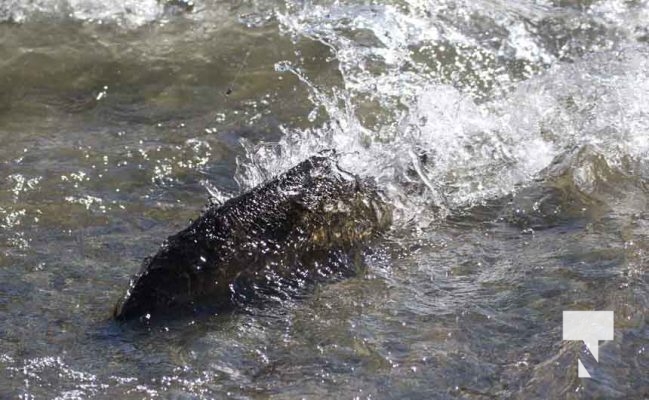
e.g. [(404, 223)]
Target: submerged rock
[(279, 236), (178, 6)]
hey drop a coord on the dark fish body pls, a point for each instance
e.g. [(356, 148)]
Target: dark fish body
[(283, 233)]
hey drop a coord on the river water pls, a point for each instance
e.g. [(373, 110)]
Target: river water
[(511, 138)]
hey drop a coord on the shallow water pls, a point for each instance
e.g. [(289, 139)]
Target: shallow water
[(510, 137)]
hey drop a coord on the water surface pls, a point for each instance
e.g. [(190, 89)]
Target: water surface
[(510, 137)]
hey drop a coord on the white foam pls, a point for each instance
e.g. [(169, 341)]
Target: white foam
[(478, 151), (126, 12)]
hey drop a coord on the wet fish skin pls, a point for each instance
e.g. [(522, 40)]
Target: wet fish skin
[(278, 233)]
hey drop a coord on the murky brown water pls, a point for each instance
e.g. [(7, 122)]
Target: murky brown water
[(117, 122)]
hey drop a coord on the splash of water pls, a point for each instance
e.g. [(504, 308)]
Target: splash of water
[(448, 141), (128, 13)]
